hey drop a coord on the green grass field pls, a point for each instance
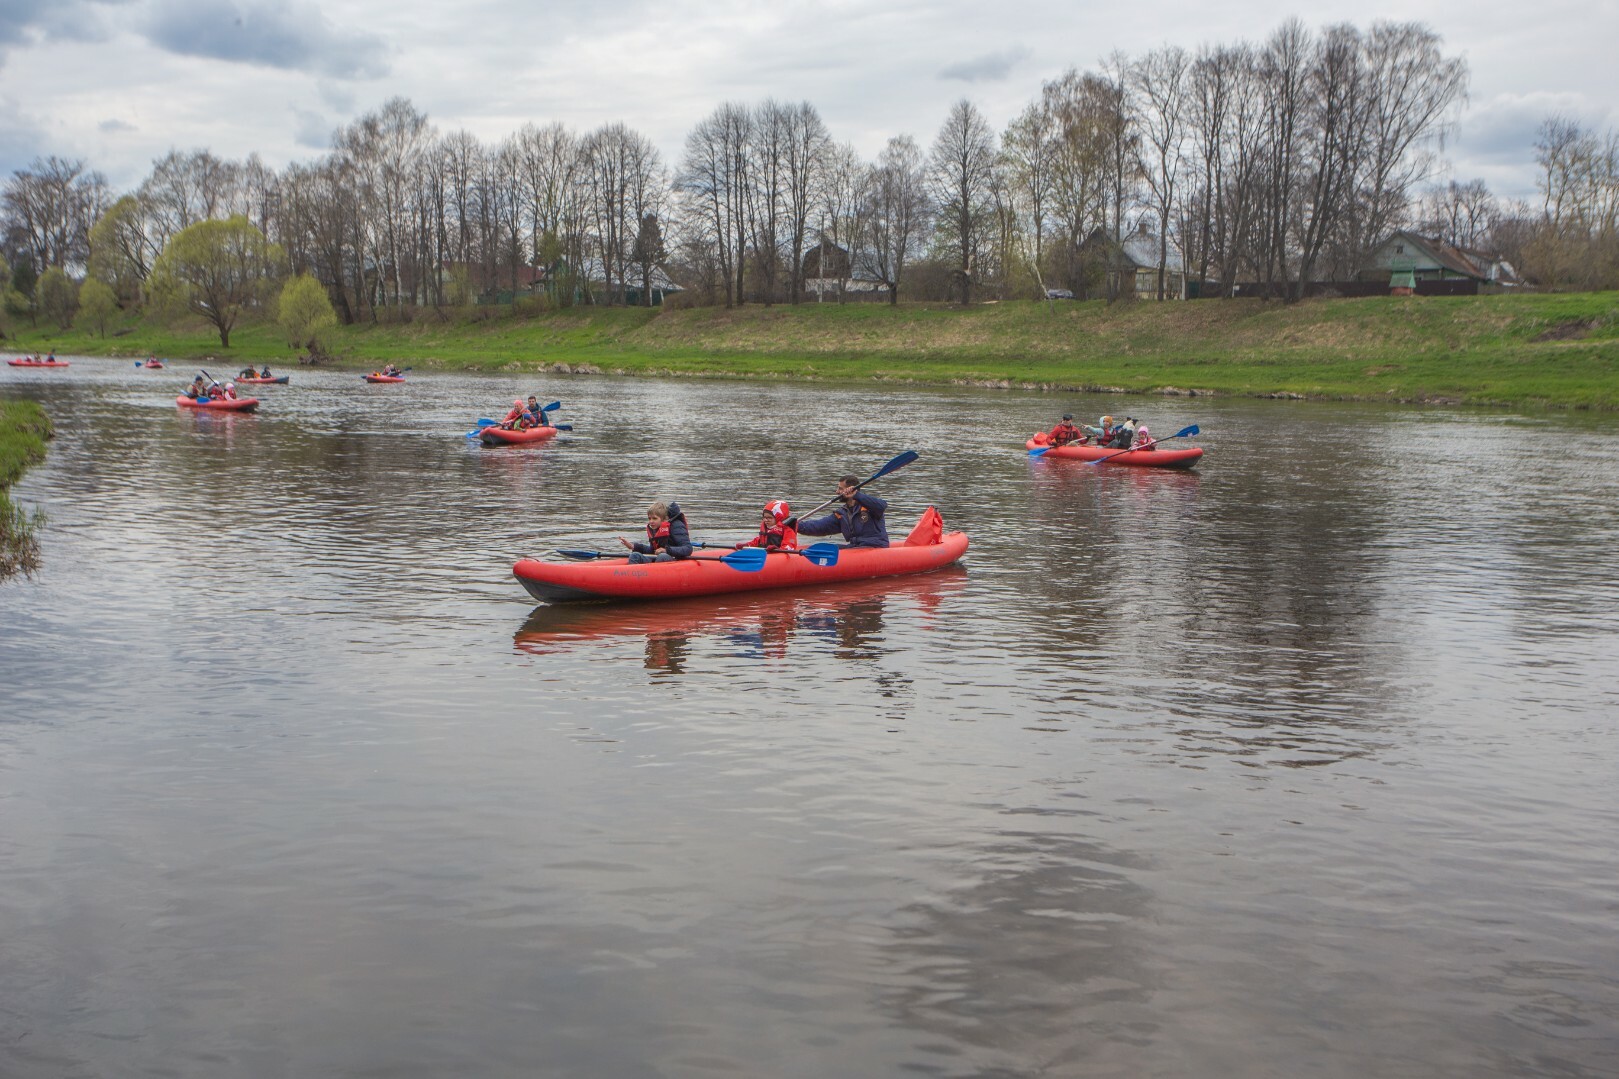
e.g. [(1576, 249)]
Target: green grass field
[(1556, 350)]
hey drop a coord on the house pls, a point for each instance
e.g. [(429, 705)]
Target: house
[(1413, 259), (1133, 263), (830, 271)]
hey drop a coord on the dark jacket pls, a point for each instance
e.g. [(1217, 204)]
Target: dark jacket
[(863, 527), (677, 540)]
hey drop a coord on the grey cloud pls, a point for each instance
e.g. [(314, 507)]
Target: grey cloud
[(296, 36), (990, 67), (114, 126), (76, 20)]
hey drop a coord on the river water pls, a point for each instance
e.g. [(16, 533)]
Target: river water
[(1303, 763)]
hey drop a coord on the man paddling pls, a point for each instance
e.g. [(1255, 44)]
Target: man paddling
[(859, 518)]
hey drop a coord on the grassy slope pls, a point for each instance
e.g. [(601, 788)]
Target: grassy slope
[(1477, 350), (24, 427)]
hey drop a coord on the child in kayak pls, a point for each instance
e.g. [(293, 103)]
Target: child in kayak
[(667, 537), (775, 533), (860, 518), (197, 390), (1065, 432)]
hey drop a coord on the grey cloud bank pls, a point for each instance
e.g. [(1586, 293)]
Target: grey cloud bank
[(243, 76)]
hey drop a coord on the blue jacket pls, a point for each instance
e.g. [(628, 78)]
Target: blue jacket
[(677, 543), (861, 528)]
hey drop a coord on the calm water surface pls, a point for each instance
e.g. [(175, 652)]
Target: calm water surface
[(1299, 764)]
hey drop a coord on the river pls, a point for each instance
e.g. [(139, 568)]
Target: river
[(1302, 763)]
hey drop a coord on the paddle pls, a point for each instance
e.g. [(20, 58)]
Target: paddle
[(893, 466), (747, 560), (1184, 432), (822, 554)]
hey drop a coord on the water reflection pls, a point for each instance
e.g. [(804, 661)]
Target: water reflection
[(753, 626)]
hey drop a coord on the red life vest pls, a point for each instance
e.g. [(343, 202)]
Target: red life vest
[(657, 537)]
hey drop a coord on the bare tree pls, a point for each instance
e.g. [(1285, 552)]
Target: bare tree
[(901, 211), (1411, 91), (1159, 84), (51, 207), (1462, 215), (961, 168), (1029, 152), (715, 174)]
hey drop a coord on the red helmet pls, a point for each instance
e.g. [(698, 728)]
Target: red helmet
[(778, 510)]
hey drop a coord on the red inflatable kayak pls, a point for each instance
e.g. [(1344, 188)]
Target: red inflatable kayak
[(38, 363), (280, 380), (1153, 458), (154, 365), (374, 377), (704, 574), (219, 404), (500, 436)]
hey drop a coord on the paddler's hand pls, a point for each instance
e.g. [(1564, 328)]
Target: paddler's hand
[(626, 543)]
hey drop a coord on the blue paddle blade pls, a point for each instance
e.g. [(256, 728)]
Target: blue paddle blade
[(822, 554), (895, 465), (552, 407), (582, 555), (485, 421), (1185, 432), (563, 426), (1039, 451), (748, 559)]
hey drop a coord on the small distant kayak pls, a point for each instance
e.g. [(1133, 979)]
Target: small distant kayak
[(21, 362), (375, 377), (219, 404), (281, 380), (705, 575), (154, 365), (500, 436), (1153, 458)]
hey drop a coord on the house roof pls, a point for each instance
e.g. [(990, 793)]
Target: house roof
[(1468, 262)]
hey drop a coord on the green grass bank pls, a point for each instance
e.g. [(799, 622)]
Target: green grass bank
[(24, 430), (1552, 350)]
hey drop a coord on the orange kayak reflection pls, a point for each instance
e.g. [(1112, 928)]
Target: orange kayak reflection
[(850, 616)]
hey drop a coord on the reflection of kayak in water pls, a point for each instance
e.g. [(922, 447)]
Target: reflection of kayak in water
[(706, 575), (766, 618)]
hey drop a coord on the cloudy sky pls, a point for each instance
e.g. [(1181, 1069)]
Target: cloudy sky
[(120, 82)]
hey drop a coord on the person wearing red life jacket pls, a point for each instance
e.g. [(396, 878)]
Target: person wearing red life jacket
[(513, 420), (775, 533), (667, 537), (1065, 432), (1143, 439)]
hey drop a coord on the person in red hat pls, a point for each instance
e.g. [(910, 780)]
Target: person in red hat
[(775, 533)]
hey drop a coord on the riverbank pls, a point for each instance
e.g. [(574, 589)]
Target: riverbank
[(24, 429), (1554, 350)]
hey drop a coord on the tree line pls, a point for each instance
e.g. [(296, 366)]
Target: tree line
[(1277, 162)]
